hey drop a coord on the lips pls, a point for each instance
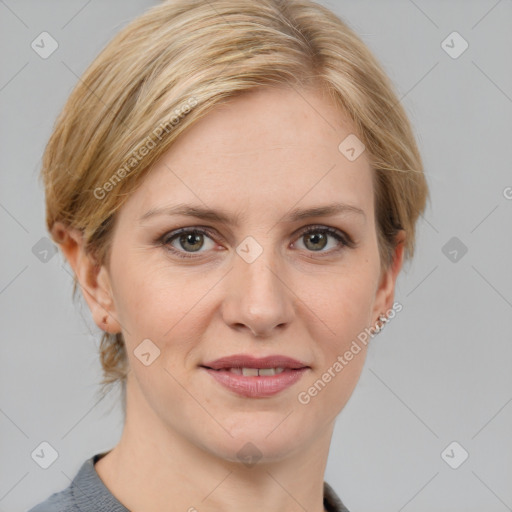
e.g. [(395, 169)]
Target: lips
[(253, 377), (244, 361)]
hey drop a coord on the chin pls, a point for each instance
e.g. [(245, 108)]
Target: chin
[(259, 437)]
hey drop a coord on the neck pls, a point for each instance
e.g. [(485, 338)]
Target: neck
[(154, 468)]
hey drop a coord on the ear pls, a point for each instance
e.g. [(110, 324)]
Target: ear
[(94, 280), (386, 290)]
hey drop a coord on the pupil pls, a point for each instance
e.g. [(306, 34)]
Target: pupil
[(316, 238), (192, 238)]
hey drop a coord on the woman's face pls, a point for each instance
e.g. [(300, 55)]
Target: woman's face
[(256, 285)]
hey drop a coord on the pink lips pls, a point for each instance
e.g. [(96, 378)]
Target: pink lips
[(228, 372)]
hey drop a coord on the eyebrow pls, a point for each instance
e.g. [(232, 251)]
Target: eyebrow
[(223, 217)]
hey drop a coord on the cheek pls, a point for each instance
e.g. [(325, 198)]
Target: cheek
[(345, 306), (149, 298), (167, 307), (340, 356), (343, 302)]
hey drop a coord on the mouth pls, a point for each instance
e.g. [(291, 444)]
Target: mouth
[(247, 362), (251, 372), (253, 377)]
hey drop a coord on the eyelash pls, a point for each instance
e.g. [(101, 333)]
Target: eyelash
[(168, 237)]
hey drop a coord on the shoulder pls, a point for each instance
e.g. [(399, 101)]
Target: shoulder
[(82, 493), (58, 502)]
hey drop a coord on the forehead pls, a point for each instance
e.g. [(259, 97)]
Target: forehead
[(266, 149)]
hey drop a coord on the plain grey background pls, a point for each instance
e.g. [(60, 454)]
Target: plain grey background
[(441, 370)]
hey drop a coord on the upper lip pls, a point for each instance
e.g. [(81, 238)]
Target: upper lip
[(246, 361)]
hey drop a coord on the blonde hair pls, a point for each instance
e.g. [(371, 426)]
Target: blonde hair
[(170, 67)]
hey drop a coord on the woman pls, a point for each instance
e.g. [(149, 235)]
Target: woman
[(235, 186)]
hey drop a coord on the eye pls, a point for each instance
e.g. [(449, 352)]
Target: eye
[(188, 240), (317, 238)]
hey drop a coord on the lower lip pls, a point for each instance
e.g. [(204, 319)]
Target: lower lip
[(257, 386)]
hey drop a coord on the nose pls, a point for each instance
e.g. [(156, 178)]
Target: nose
[(257, 298)]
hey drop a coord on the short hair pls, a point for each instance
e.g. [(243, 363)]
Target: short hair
[(170, 67)]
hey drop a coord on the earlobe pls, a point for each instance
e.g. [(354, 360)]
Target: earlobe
[(93, 279), (105, 313)]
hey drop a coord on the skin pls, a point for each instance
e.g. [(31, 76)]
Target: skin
[(258, 156)]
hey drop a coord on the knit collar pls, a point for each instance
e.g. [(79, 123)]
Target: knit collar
[(87, 488)]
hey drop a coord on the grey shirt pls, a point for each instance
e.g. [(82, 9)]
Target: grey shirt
[(88, 493)]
